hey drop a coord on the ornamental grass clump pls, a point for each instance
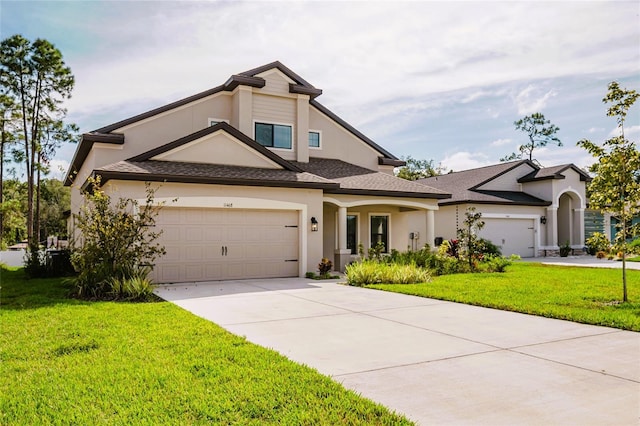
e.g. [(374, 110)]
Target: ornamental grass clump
[(372, 272)]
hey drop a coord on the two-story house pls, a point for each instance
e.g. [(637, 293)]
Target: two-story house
[(268, 181)]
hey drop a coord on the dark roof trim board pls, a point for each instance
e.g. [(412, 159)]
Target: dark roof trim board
[(105, 176), (382, 161), (210, 130), (86, 143), (500, 203), (556, 173), (238, 80), (400, 194), (280, 66), (304, 90)]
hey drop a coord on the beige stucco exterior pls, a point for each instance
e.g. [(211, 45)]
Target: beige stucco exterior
[(241, 107)]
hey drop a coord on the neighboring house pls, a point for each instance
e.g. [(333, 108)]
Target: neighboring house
[(528, 210), (596, 221), (267, 180)]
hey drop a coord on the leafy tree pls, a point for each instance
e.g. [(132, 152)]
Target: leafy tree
[(417, 169), (12, 208), (118, 239), (468, 235), (540, 132), (55, 200), (8, 116), (36, 77), (616, 185)]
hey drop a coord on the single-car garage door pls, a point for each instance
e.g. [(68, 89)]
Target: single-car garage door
[(512, 236), (220, 244)]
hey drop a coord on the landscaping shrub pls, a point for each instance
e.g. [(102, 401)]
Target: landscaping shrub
[(634, 246), (597, 242), (498, 263), (488, 248), (325, 266), (118, 240), (372, 272), (135, 286)]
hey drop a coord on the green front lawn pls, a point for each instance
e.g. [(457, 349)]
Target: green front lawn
[(587, 295), (65, 361)]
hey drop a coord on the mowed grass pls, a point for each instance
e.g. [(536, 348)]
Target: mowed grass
[(586, 295), (65, 361)]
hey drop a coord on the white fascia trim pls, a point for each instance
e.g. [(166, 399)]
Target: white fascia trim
[(204, 138), (171, 111)]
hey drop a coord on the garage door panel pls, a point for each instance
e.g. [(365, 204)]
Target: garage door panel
[(194, 253), (193, 233), (258, 244), (512, 236), (194, 272)]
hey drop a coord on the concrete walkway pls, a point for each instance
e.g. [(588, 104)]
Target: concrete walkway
[(436, 362)]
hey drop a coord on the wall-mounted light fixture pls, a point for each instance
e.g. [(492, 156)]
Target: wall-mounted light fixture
[(543, 220), (314, 224)]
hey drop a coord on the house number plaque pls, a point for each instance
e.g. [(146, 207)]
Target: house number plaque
[(228, 205)]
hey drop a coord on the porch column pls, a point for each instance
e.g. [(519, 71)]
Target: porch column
[(552, 227), (431, 226), (342, 254), (578, 227)]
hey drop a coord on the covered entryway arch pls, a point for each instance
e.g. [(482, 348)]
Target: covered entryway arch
[(400, 223), (570, 219)]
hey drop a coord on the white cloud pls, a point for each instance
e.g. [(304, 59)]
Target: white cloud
[(58, 168), (530, 100), (465, 160), (501, 142), (595, 130)]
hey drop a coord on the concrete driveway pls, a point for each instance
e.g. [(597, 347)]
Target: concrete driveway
[(436, 362)]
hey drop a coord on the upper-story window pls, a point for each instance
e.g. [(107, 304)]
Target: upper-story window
[(274, 135), (314, 139)]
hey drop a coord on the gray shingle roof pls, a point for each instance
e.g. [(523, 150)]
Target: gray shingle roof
[(359, 180), (554, 172), (172, 171), (333, 176), (462, 185)]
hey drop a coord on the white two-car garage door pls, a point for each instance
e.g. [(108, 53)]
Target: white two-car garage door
[(205, 244), (512, 236)]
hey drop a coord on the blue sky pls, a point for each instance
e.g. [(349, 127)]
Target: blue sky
[(435, 80)]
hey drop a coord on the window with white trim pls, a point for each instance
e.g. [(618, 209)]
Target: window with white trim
[(379, 226), (274, 135), (314, 139), (352, 233)]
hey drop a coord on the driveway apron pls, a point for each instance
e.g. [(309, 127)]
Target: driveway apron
[(436, 362)]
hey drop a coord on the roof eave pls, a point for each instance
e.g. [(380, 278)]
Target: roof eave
[(382, 193), (86, 143), (106, 175), (500, 203)]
